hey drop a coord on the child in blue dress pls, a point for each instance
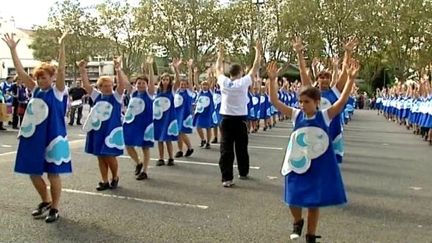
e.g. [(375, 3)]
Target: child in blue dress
[(43, 131), (138, 126), (183, 100), (312, 175), (103, 125), (217, 118), (204, 113), (166, 128)]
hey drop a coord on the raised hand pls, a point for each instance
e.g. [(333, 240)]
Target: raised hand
[(351, 44), (335, 61), (298, 44), (353, 68), (221, 49), (273, 71), (258, 46), (117, 63), (10, 41), (149, 60), (176, 63), (82, 63), (190, 63)]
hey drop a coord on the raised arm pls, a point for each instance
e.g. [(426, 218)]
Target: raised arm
[(176, 65), (339, 105), (349, 47), (121, 76), (272, 72), (219, 61), (84, 77), (149, 64), (335, 72), (60, 80), (195, 80), (28, 81), (190, 76), (258, 52), (299, 49)]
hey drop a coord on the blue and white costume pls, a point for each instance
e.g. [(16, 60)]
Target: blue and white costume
[(204, 111), (43, 145), (183, 100), (312, 175), (138, 125), (103, 125), (164, 117)]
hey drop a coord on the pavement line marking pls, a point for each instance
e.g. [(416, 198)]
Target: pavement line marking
[(257, 147), (6, 146), (192, 162), (268, 135), (176, 204), (8, 153)]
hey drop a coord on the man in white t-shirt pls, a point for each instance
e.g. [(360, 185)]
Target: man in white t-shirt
[(234, 99)]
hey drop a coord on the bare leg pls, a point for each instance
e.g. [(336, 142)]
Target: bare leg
[(55, 187), (103, 167), (296, 213), (133, 154), (113, 166), (170, 149), (180, 142), (312, 222), (146, 161), (215, 132), (41, 187), (200, 133), (209, 134), (186, 140), (161, 150)]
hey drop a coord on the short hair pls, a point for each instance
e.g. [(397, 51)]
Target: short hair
[(145, 78), (311, 92), (324, 74), (103, 79), (43, 68), (235, 70)]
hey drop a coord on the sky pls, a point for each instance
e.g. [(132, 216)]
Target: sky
[(28, 13)]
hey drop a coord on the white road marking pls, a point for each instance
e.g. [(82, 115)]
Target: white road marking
[(6, 146), (272, 177), (8, 153), (176, 204), (268, 135), (256, 147), (191, 162), (415, 188)]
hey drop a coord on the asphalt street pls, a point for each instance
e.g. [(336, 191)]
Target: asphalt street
[(386, 170)]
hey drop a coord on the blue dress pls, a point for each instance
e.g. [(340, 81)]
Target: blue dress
[(164, 117), (312, 175), (204, 111), (328, 98), (217, 99), (256, 98), (251, 108), (138, 126), (43, 145), (103, 125), (183, 100), (265, 109)]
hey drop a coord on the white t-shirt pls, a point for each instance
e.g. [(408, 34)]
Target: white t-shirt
[(95, 93), (234, 95)]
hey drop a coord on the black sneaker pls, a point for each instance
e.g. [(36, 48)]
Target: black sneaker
[(203, 142), (179, 154), (142, 176), (41, 209), (138, 168), (103, 186), (215, 140), (52, 216), (189, 152), (297, 230), (79, 124), (160, 162), (243, 177), (114, 183), (170, 162), (312, 238), (207, 146)]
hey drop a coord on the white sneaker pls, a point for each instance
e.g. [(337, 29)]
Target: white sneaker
[(227, 184)]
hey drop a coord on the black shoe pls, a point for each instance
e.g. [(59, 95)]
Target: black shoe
[(243, 177), (265, 129), (41, 209), (70, 124), (312, 238), (2, 129), (79, 124), (15, 128), (179, 154), (160, 162), (103, 186), (215, 140), (138, 168), (114, 183), (207, 146), (170, 162), (203, 142), (142, 176), (52, 216), (189, 152), (297, 230)]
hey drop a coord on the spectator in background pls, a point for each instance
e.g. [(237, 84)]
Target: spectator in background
[(19, 101), (76, 95)]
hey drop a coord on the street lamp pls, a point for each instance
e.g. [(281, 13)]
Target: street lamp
[(258, 4)]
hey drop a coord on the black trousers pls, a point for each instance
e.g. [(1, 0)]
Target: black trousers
[(78, 109), (234, 138)]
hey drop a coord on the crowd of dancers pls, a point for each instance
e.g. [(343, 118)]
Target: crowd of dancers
[(319, 105)]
